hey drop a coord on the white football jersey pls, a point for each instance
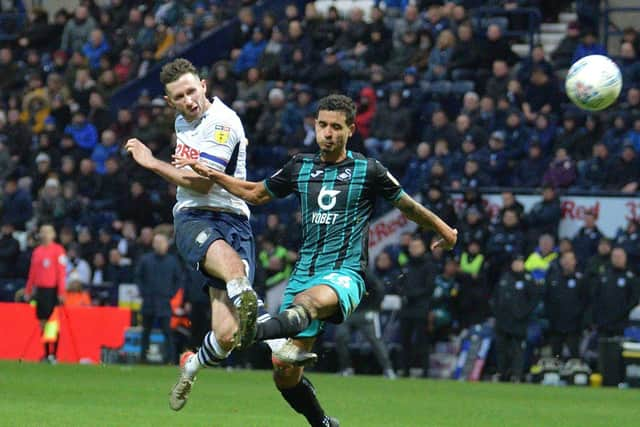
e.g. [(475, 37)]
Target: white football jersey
[(217, 139)]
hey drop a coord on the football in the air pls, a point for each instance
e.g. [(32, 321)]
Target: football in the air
[(593, 82)]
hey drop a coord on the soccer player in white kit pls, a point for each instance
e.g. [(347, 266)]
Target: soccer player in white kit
[(212, 228)]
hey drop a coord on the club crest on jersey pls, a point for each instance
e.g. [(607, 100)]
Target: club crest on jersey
[(221, 134), (327, 198), (202, 237), (345, 176)]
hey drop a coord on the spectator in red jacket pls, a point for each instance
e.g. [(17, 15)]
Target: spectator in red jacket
[(46, 281), (366, 110)]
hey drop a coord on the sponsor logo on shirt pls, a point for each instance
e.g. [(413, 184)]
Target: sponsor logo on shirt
[(326, 202), (327, 198), (185, 151), (323, 218)]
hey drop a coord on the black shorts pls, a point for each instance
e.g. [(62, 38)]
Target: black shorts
[(197, 229), (46, 301)]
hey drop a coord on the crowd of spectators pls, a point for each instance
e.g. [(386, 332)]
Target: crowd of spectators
[(443, 102), (513, 268)]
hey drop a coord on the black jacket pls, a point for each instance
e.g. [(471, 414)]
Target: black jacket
[(596, 266), (375, 293), (513, 301), (615, 293), (585, 243), (416, 287), (159, 277), (472, 302), (9, 253), (544, 217), (565, 300), (503, 243)]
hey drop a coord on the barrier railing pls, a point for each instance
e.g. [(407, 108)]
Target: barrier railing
[(610, 28)]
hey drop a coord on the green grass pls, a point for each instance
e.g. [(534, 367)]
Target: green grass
[(73, 395)]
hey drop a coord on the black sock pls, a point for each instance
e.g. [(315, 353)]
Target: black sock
[(54, 348), (287, 324), (46, 350), (302, 398)]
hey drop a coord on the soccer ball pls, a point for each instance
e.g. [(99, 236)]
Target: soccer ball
[(593, 82)]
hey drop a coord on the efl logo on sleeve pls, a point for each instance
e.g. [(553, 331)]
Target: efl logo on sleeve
[(221, 134)]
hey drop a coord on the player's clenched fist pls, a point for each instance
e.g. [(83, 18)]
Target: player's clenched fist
[(140, 152)]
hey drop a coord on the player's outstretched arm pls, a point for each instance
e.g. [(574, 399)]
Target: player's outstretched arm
[(183, 178), (254, 193), (427, 219)]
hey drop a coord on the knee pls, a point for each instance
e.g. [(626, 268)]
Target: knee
[(309, 303), (285, 375), (234, 266)]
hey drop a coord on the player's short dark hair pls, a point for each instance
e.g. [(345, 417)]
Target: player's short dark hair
[(175, 69), (340, 103)]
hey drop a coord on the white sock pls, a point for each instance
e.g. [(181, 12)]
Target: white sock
[(276, 343), (236, 286), (210, 354), (192, 366)]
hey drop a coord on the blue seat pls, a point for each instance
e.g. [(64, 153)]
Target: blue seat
[(481, 24), (463, 86), (438, 88)]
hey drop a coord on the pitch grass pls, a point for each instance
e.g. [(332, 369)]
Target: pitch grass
[(72, 395)]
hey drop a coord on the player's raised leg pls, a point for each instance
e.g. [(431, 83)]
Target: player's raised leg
[(317, 302), (298, 391), (223, 261), (231, 309)]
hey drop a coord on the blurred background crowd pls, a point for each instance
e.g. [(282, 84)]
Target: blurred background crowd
[(443, 101)]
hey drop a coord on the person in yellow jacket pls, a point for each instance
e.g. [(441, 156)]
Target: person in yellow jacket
[(539, 261), (35, 109), (472, 262), (473, 298)]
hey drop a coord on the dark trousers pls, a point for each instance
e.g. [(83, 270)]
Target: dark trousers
[(200, 322), (365, 322), (147, 324), (558, 339), (410, 326), (510, 355)]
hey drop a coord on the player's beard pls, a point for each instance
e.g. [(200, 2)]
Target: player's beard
[(332, 148)]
